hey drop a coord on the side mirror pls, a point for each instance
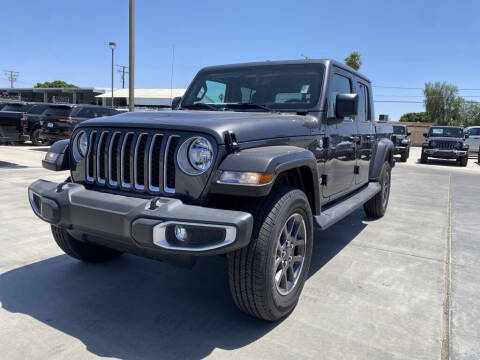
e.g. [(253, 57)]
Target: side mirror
[(425, 135), (175, 102), (467, 135), (346, 105), (409, 133)]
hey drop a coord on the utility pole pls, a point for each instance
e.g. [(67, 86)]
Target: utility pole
[(131, 57), (12, 76), (112, 46), (123, 72)]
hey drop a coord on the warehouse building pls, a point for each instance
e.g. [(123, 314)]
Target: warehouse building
[(143, 97)]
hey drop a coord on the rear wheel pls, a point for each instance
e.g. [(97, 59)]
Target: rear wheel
[(35, 137), (267, 277), (377, 206), (82, 250)]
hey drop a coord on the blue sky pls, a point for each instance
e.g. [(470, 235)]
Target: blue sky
[(402, 43)]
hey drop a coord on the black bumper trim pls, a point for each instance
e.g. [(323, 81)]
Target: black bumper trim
[(123, 220)]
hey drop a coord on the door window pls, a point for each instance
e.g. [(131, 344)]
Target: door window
[(339, 84), (212, 92), (363, 103)]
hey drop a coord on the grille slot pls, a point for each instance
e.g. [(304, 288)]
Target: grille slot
[(445, 144), (169, 165), (154, 163), (126, 159), (132, 160)]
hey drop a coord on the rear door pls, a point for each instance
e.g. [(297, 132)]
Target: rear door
[(364, 137), (340, 162)]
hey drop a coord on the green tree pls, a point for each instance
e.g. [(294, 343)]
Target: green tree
[(416, 117), (353, 60), (442, 103), (55, 84), (470, 113)]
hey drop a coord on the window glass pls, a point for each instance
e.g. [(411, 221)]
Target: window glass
[(38, 109), (12, 107), (474, 131), (361, 103), (446, 132), (338, 85), (399, 130), (286, 86), (58, 110)]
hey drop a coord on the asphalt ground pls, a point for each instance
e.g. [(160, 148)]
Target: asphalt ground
[(406, 286)]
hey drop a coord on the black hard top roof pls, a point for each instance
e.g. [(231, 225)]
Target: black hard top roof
[(325, 62)]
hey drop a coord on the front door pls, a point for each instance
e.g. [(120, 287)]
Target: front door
[(340, 162)]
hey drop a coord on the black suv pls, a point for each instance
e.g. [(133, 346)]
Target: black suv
[(445, 142), (59, 120), (254, 157), (401, 137)]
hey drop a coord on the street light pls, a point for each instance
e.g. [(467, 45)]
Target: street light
[(112, 46)]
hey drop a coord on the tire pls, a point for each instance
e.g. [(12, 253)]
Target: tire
[(34, 136), (463, 161), (424, 158), (253, 269), (404, 157), (82, 250), (377, 206)]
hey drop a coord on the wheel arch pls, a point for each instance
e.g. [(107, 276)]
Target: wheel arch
[(383, 152)]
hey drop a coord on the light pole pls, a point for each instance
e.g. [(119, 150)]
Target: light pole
[(131, 56), (112, 46)]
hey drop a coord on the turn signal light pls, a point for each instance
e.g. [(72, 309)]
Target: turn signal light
[(246, 178)]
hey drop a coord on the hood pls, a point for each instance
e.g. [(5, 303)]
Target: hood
[(247, 126), (445, 138)]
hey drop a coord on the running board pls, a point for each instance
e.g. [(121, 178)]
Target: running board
[(345, 207)]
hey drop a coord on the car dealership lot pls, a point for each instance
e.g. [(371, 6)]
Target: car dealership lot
[(376, 288)]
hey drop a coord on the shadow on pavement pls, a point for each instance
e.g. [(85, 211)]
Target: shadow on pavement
[(6, 164), (137, 308)]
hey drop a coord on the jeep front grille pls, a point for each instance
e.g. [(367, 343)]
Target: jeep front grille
[(445, 144), (132, 160)]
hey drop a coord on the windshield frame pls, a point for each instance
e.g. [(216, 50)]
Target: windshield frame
[(462, 132), (250, 107)]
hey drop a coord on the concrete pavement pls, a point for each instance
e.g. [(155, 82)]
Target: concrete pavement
[(377, 289)]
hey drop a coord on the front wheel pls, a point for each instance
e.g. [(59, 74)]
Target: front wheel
[(267, 277), (424, 158), (377, 206), (82, 250), (463, 161)]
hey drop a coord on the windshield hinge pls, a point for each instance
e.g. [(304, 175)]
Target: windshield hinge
[(231, 142)]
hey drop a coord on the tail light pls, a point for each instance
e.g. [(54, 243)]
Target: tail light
[(24, 120), (68, 120)]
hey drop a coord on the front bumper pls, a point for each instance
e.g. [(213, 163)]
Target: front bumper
[(400, 149), (129, 223), (445, 154)]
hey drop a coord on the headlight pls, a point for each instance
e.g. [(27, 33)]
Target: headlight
[(83, 144), (195, 156), (433, 143), (80, 145), (404, 142), (200, 154)]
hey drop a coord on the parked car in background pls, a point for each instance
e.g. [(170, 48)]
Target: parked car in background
[(59, 120), (473, 140), (31, 122), (401, 139), (11, 128), (445, 142)]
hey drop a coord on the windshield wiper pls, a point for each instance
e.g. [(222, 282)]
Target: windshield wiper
[(248, 105), (202, 105)]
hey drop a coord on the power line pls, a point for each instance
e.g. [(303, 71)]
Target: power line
[(123, 72), (422, 96), (12, 76), (413, 88), (399, 101)]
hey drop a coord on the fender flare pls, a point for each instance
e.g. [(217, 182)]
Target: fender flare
[(61, 158), (383, 152), (268, 159)]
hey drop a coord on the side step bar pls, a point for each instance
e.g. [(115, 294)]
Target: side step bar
[(337, 212)]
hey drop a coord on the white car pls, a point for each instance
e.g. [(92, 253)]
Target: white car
[(473, 139)]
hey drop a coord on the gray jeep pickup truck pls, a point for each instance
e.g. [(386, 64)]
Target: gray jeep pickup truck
[(249, 162)]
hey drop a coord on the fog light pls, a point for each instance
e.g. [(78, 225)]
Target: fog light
[(180, 233)]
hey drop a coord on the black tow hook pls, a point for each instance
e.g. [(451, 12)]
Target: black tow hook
[(60, 186), (153, 203)]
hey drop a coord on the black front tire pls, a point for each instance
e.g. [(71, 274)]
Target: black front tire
[(253, 269), (424, 158), (404, 156), (463, 161), (82, 250), (377, 206)]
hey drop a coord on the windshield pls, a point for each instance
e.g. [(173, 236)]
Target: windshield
[(12, 107), (474, 131), (399, 130), (286, 87), (446, 132)]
